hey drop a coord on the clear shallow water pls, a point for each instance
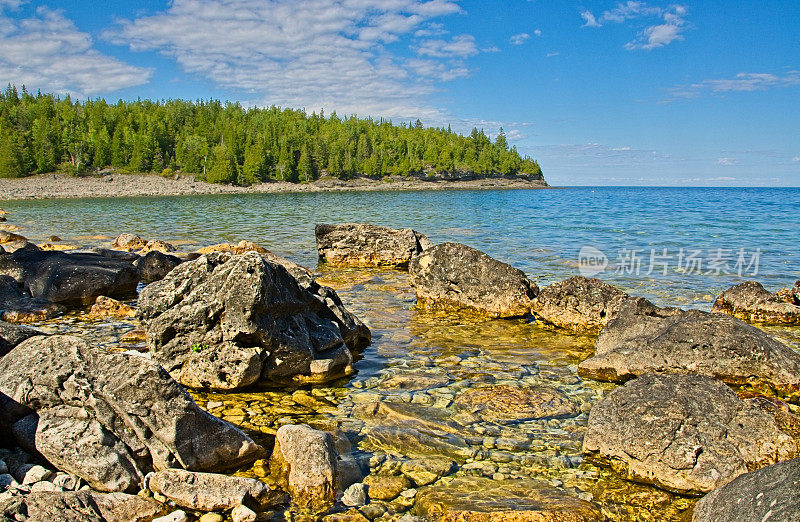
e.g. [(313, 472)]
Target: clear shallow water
[(420, 365)]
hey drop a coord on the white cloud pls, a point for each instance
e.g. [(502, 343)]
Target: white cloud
[(721, 178), (550, 55), (742, 82), (727, 162), (537, 32), (48, 52), (310, 53), (519, 39), (650, 37), (796, 159)]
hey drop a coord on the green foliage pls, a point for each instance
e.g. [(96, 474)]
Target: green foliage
[(197, 347), (226, 143)]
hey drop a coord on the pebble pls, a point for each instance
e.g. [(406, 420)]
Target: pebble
[(175, 516), (211, 517), (43, 486), (243, 514), (36, 474), (355, 495)]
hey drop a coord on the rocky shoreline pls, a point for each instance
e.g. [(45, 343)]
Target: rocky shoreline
[(694, 403), (53, 186)]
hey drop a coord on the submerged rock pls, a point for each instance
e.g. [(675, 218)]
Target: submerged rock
[(359, 244), (474, 499), (578, 304), (226, 321), (644, 338), (212, 492), (129, 415), (683, 433), (749, 301), (770, 493), (386, 487), (304, 463), (516, 403), (239, 248), (453, 276)]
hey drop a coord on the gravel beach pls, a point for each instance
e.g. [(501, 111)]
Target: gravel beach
[(52, 186)]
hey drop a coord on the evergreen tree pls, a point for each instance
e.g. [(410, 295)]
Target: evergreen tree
[(10, 156)]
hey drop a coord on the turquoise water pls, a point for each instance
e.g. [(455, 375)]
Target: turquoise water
[(539, 231)]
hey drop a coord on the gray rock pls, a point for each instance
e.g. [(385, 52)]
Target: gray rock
[(749, 301), (683, 433), (644, 339), (359, 244), (70, 279), (212, 492), (155, 265), (44, 486), (770, 493), (176, 516), (453, 276), (36, 474), (225, 321), (131, 410), (578, 304), (88, 506), (355, 495), (304, 463), (11, 335), (243, 514)]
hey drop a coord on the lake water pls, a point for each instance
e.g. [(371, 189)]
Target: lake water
[(690, 244)]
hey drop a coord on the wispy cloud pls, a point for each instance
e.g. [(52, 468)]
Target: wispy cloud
[(742, 82), (672, 23), (537, 32), (48, 52), (796, 159), (727, 162), (519, 39), (311, 53)]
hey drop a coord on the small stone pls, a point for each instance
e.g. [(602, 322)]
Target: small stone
[(175, 516), (43, 486), (65, 481), (243, 514), (36, 474), (211, 517), (355, 495)]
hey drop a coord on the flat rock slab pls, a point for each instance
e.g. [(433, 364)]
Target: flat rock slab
[(577, 304), (452, 276), (516, 403), (475, 499), (88, 506), (684, 433), (770, 493), (211, 491), (362, 244), (751, 302), (130, 414), (644, 338)]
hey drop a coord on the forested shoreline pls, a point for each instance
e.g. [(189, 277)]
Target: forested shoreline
[(226, 143)]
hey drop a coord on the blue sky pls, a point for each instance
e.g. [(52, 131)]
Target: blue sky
[(601, 93)]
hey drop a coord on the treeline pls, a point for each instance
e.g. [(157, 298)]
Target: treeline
[(226, 143)]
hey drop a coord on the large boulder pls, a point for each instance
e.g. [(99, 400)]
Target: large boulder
[(71, 279), (358, 244), (578, 304), (110, 418), (453, 276), (84, 506), (644, 338), (211, 491), (684, 433), (749, 301), (226, 321), (12, 334), (770, 493), (303, 462)]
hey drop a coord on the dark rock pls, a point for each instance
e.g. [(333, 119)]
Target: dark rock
[(73, 279), (644, 338), (749, 301), (21, 246), (18, 308), (130, 415), (11, 335), (358, 244), (115, 254), (213, 492), (770, 493), (453, 276), (578, 304), (155, 265), (224, 321), (684, 433), (88, 506)]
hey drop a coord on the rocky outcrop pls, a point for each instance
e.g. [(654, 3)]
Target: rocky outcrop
[(83, 506), (359, 244), (304, 463), (108, 417), (12, 334), (226, 321), (578, 304), (155, 265), (453, 276), (684, 433), (790, 295), (644, 338), (211, 491), (770, 493), (749, 301), (71, 279)]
